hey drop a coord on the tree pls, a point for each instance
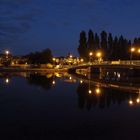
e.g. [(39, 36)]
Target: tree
[(135, 42), (46, 56), (110, 45), (104, 43), (91, 41), (82, 49), (112, 48), (40, 57), (114, 55), (97, 41)]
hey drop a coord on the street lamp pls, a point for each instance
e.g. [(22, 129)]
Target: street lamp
[(54, 60), (82, 60), (7, 53), (71, 56), (99, 55), (90, 56), (130, 102), (132, 50)]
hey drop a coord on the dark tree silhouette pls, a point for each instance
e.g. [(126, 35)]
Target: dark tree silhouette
[(82, 49), (40, 57), (113, 48), (97, 41), (110, 45), (91, 41), (104, 43)]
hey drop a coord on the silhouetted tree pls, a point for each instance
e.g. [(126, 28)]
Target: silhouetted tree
[(110, 45), (104, 43), (135, 43), (97, 41), (82, 49), (115, 52), (40, 57), (91, 41), (112, 48), (120, 48)]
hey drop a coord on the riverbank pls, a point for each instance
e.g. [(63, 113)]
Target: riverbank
[(11, 69)]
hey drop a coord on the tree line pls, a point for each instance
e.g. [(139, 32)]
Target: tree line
[(39, 57), (112, 48)]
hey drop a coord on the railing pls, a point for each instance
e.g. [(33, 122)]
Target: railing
[(127, 62)]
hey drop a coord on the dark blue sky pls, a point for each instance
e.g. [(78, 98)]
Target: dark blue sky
[(32, 25)]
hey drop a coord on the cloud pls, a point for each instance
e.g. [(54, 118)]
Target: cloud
[(16, 17)]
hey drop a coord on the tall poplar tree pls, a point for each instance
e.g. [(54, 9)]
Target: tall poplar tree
[(82, 49), (91, 41), (104, 43), (110, 45)]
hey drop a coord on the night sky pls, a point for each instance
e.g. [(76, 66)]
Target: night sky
[(33, 25)]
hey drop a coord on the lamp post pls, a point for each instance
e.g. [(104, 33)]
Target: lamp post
[(7, 53), (131, 54), (54, 60), (99, 55), (82, 60), (70, 56), (138, 53), (90, 56)]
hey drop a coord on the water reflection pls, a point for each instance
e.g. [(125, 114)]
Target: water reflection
[(90, 93), (7, 80), (103, 97), (41, 81)]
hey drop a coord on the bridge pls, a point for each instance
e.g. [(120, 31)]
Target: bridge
[(97, 67), (109, 64)]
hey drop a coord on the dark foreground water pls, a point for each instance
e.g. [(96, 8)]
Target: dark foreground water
[(52, 107)]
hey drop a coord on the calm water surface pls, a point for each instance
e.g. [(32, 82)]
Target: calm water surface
[(46, 106)]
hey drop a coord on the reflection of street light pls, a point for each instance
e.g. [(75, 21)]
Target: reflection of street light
[(89, 91), (6, 80), (53, 82), (97, 91), (130, 102), (132, 50), (138, 99)]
